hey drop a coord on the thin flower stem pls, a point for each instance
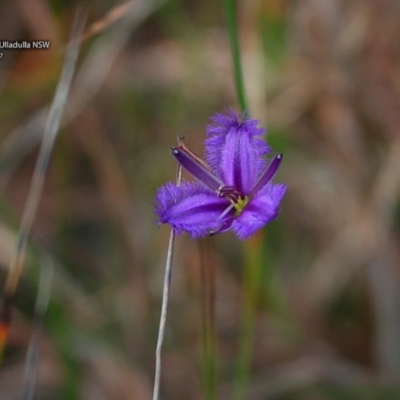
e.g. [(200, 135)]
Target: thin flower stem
[(230, 8), (164, 306), (252, 280), (164, 311), (208, 321)]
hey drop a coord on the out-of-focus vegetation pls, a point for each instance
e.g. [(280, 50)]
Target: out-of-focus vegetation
[(324, 77)]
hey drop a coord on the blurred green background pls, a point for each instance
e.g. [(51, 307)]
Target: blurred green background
[(324, 77)]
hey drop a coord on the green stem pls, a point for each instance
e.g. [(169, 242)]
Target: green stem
[(251, 291), (208, 323), (230, 8)]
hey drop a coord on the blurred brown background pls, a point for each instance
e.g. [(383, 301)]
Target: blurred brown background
[(324, 77)]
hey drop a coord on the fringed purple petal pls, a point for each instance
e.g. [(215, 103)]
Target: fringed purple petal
[(261, 209), (235, 150), (192, 208)]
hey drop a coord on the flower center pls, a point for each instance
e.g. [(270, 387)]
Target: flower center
[(240, 205), (236, 198)]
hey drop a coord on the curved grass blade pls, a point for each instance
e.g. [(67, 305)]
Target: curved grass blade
[(33, 353), (39, 174)]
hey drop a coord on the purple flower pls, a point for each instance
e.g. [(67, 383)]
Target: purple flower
[(233, 190)]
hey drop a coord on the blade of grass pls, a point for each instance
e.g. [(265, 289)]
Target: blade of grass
[(33, 353), (39, 174), (253, 265), (231, 14)]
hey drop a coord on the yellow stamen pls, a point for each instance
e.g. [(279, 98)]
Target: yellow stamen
[(240, 205)]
